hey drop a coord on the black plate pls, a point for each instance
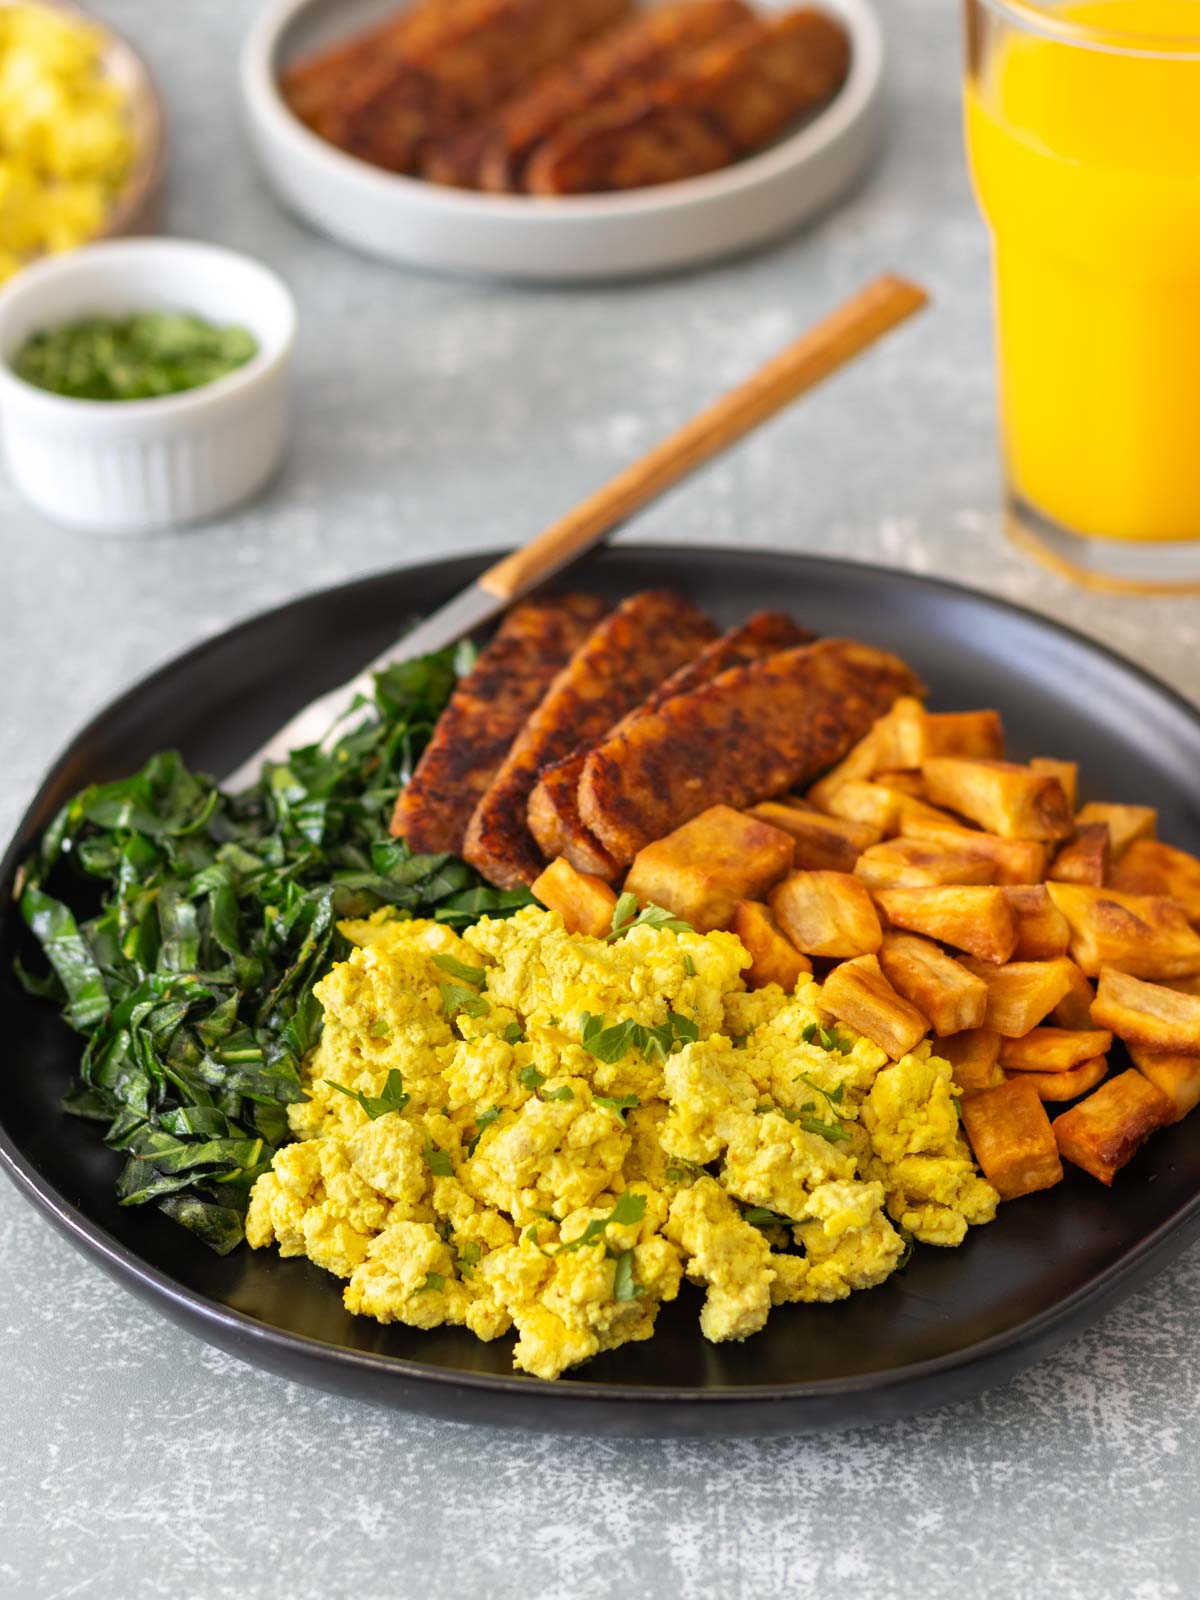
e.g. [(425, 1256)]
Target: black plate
[(952, 1323)]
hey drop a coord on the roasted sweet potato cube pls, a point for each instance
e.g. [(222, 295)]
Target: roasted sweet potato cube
[(911, 783), (943, 991), (1067, 773), (703, 869), (827, 914), (1104, 1131), (586, 903), (1016, 861), (1074, 1010), (909, 735), (977, 734), (1012, 1139), (1013, 801), (1150, 867), (919, 864), (858, 994), (1145, 935), (1022, 993), (1042, 930), (859, 800), (898, 736), (1054, 1049), (860, 763), (974, 919), (975, 1057), (1147, 1014), (1125, 823), (821, 842), (1085, 858), (1060, 1086), (1178, 1077), (775, 958)]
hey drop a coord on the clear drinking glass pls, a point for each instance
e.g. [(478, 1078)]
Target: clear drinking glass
[(1083, 136)]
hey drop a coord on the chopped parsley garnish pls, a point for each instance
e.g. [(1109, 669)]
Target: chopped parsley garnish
[(829, 1040), (434, 1281), (381, 1028), (630, 1208), (626, 916), (483, 1122), (611, 1044), (468, 1258), (832, 1131), (618, 1104), (625, 1285), (564, 1094), (437, 1160), (476, 976), (910, 1244), (513, 1033), (957, 1104), (456, 998), (530, 1078), (761, 1217), (681, 1170), (393, 1097), (835, 1097), (689, 966)]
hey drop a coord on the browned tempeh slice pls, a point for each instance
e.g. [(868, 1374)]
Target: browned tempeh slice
[(492, 155), (318, 84), (486, 712), (615, 668), (755, 730), (554, 818), (486, 50), (730, 99)]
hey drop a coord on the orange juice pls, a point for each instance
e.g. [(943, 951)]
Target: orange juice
[(1086, 162)]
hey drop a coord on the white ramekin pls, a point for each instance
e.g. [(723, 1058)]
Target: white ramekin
[(129, 466)]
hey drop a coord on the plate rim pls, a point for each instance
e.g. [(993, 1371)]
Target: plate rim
[(134, 1272)]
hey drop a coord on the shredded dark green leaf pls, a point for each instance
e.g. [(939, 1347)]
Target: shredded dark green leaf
[(183, 930)]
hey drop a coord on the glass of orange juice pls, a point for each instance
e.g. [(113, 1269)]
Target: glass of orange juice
[(1083, 134)]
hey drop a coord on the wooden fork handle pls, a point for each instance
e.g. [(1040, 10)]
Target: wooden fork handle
[(846, 333)]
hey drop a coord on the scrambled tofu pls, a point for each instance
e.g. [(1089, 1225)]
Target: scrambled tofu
[(66, 142), (522, 1128)]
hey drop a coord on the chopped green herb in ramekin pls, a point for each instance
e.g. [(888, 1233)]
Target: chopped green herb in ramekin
[(132, 358)]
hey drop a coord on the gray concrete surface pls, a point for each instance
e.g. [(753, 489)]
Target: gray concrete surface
[(436, 416)]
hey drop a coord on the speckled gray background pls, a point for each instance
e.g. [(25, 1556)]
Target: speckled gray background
[(437, 416)]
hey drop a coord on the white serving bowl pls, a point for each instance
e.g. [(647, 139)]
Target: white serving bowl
[(129, 466), (606, 236)]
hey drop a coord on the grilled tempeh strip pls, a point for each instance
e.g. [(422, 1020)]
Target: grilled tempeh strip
[(623, 659), (486, 712), (317, 86), (554, 818), (756, 730), (491, 154), (487, 49), (727, 101)]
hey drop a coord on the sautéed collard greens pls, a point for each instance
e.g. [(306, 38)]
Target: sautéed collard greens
[(191, 973)]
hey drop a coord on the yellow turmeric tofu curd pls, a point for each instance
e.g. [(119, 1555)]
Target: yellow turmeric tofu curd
[(521, 1128)]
